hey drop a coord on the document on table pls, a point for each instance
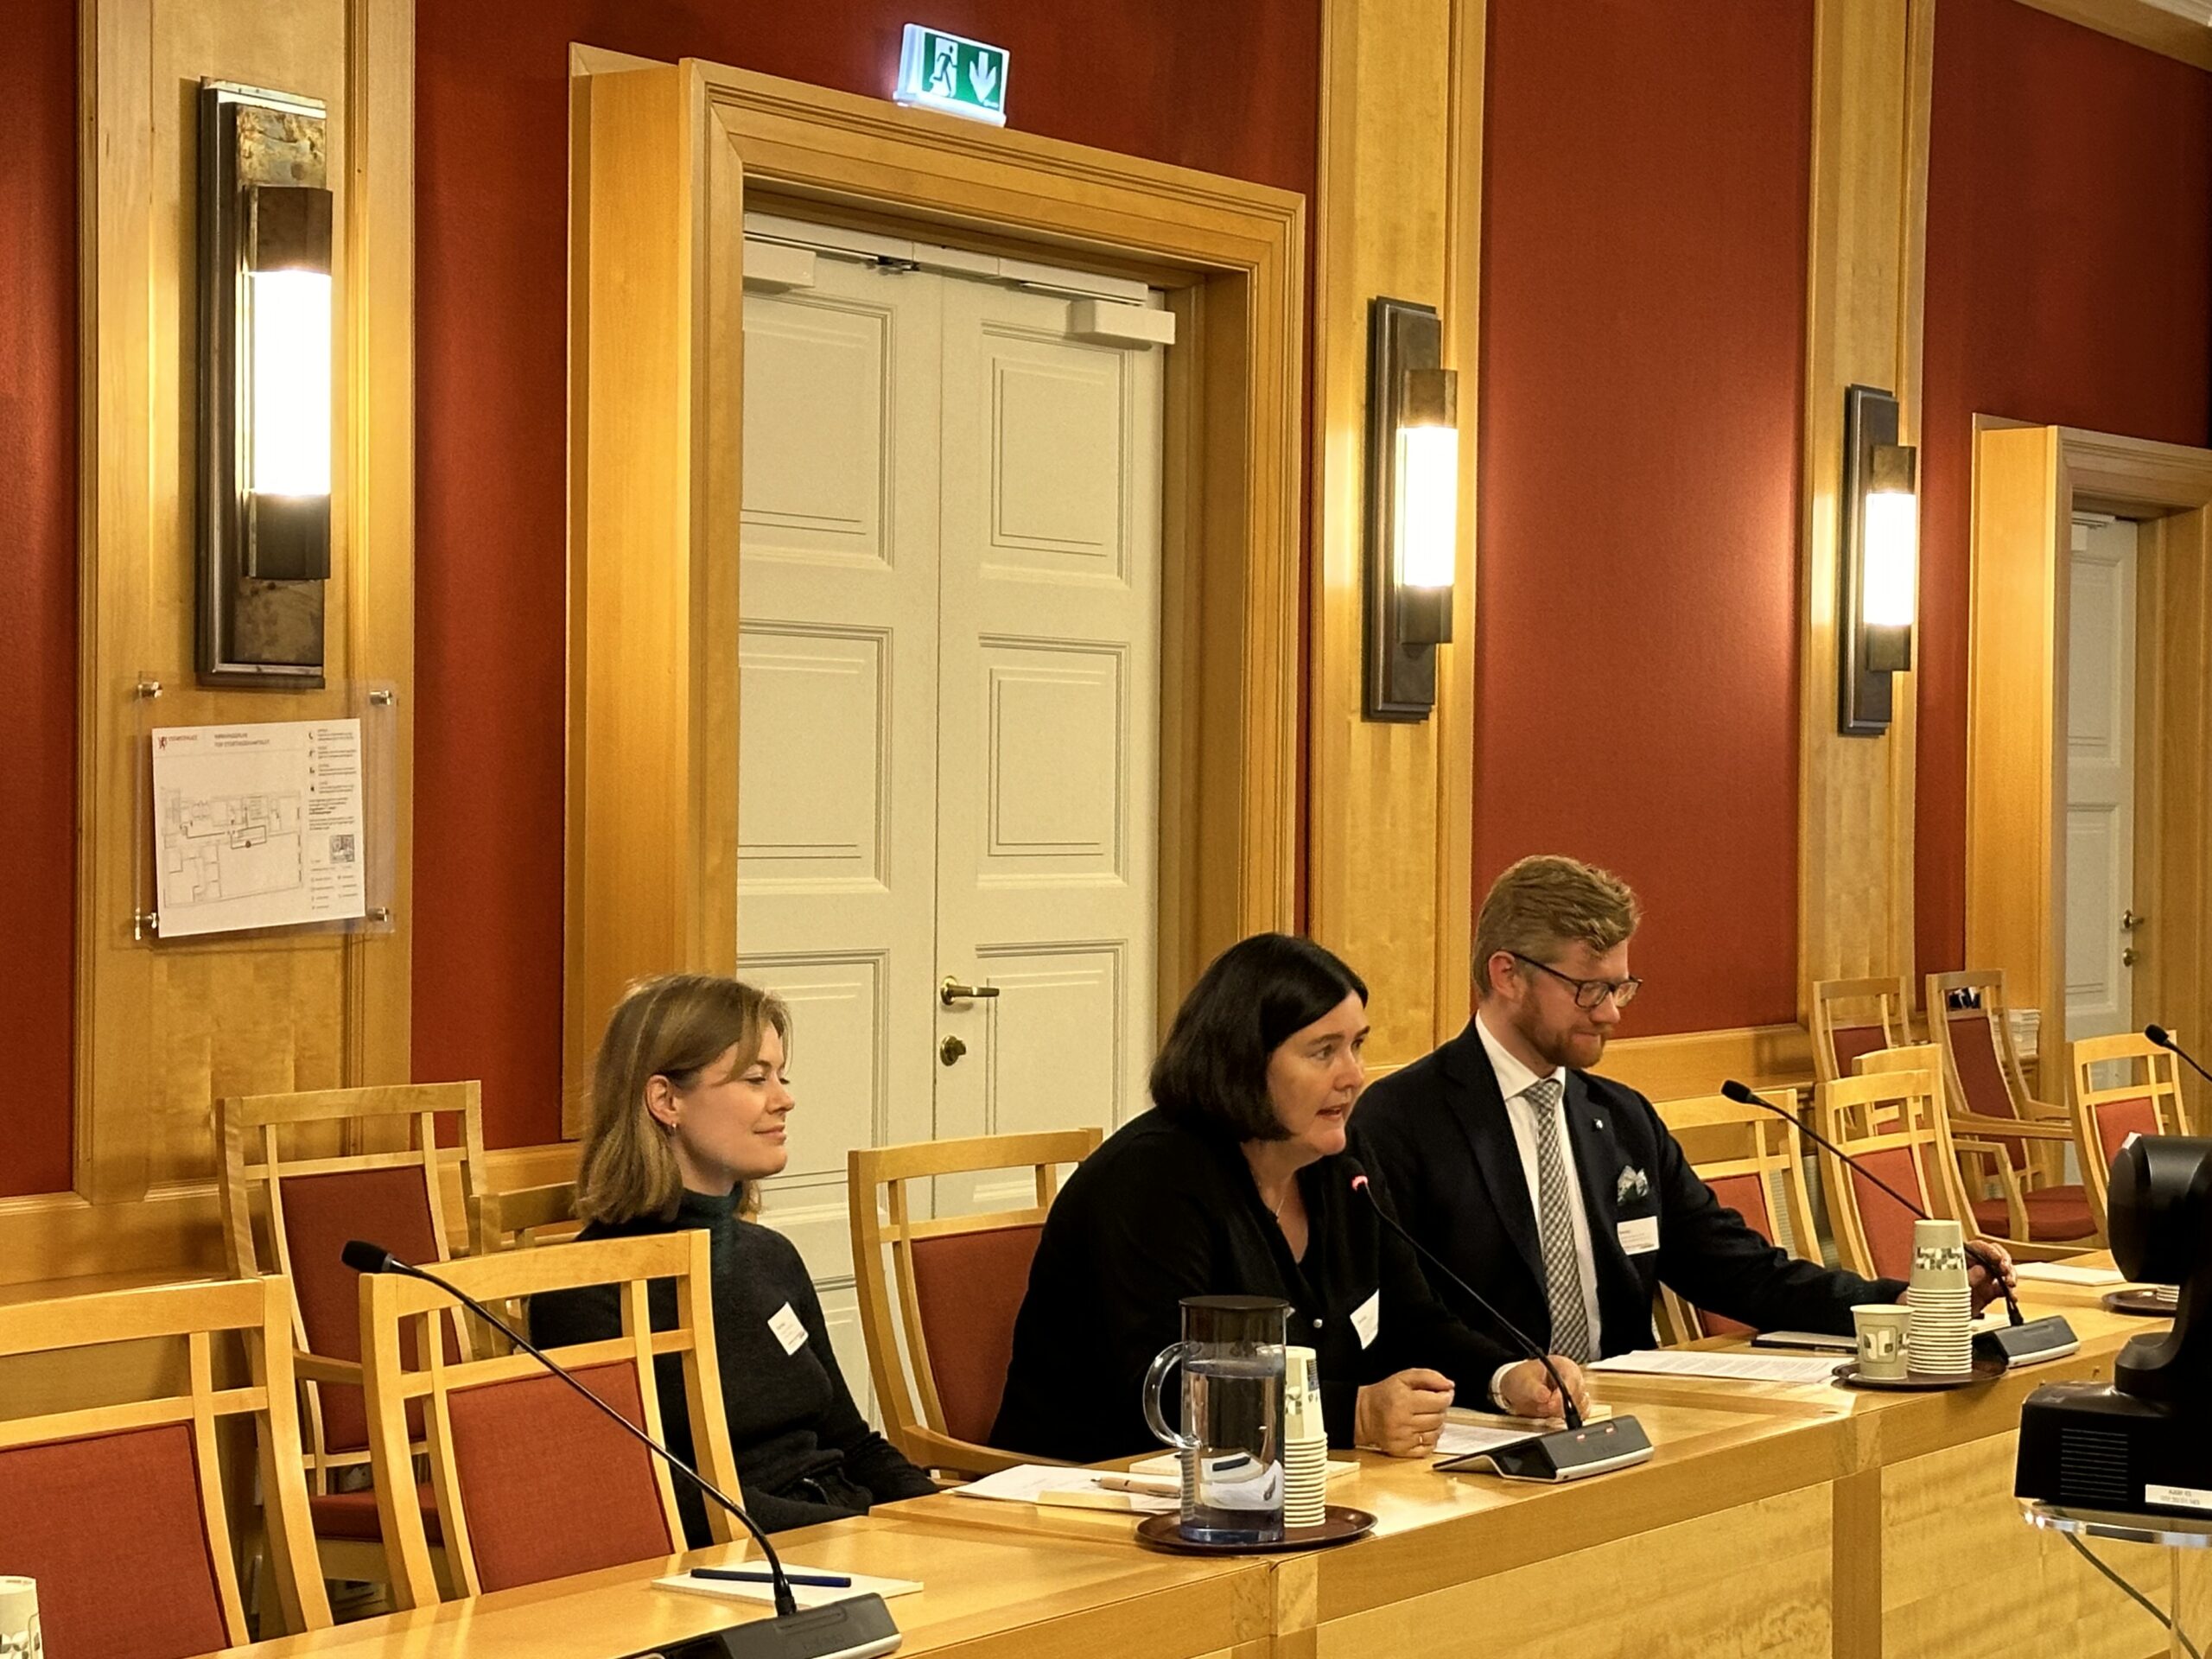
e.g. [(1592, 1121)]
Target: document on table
[(1460, 1439), (1735, 1367), (807, 1595), (2064, 1273), (1049, 1483)]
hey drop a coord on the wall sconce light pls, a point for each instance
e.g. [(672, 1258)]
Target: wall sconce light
[(1413, 507), (1879, 555), (265, 327)]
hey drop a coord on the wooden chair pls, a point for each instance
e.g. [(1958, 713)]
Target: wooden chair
[(1891, 1122), (525, 1216), (2147, 1100), (1747, 1156), (532, 1483), (961, 1279), (290, 1213), (1853, 1017), (118, 1510)]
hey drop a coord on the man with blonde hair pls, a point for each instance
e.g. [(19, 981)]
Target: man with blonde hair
[(1560, 1196)]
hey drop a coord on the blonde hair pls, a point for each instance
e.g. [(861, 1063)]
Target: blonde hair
[(673, 1026), (1543, 904)]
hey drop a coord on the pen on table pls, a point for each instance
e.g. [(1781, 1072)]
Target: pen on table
[(753, 1575), (1151, 1485)]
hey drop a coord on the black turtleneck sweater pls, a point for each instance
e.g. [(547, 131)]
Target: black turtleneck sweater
[(805, 1454)]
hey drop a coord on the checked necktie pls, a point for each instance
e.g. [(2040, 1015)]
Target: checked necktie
[(1555, 1221)]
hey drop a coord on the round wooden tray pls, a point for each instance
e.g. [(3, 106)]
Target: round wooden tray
[(2144, 1301), (1983, 1370), (1344, 1524)]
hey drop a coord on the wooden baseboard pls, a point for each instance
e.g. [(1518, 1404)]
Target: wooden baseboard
[(173, 1231), (1674, 1066)]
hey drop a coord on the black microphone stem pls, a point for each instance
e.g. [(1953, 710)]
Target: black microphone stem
[(2158, 1035), (1365, 1188), (1743, 1094), (786, 1602)]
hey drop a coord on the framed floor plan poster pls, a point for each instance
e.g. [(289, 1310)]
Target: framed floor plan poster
[(258, 826)]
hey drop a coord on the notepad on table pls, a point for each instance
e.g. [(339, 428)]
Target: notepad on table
[(807, 1595), (1733, 1367), (1056, 1485), (2064, 1273)]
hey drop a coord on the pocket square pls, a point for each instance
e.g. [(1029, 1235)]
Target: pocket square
[(1633, 1184)]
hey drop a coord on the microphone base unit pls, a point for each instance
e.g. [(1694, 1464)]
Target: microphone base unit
[(2087, 1445), (1565, 1455), (859, 1627), (2029, 1343)]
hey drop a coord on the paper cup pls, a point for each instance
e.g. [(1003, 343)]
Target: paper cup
[(19, 1636), (1884, 1332)]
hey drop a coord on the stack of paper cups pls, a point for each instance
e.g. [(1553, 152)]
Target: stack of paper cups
[(1942, 1339), (1305, 1442), (19, 1637)]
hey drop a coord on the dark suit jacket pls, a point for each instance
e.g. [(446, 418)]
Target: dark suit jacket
[(1437, 1135)]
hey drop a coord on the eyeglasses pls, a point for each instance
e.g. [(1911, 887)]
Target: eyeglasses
[(1589, 992)]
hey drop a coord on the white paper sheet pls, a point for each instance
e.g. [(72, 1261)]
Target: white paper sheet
[(1459, 1439), (258, 826), (2064, 1273), (1026, 1483), (807, 1595), (1735, 1367)]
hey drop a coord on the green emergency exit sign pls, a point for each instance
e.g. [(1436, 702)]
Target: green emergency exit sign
[(938, 70)]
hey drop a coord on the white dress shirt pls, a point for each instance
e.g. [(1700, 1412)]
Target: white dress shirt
[(1513, 1081)]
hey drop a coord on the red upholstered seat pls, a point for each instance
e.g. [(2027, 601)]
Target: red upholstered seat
[(968, 1288), (1746, 1196), (353, 1515), (2118, 1119), (321, 1212), (110, 1528), (1887, 1224), (2055, 1213), (1851, 1042), (549, 1485)]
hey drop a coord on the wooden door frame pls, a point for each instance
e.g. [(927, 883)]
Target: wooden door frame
[(665, 160), (2028, 480)]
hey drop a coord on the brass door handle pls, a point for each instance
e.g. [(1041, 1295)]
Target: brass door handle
[(2129, 921), (952, 991)]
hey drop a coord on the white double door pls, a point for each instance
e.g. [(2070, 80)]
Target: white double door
[(2100, 782), (948, 707)]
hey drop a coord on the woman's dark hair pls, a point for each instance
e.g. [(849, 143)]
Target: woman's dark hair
[(1212, 1070)]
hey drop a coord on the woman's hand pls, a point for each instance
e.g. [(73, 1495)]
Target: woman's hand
[(1527, 1391), (1403, 1414)]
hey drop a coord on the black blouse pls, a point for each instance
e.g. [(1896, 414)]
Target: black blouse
[(1164, 1210)]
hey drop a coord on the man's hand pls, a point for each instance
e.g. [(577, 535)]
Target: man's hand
[(1527, 1390), (1403, 1414), (1989, 1272)]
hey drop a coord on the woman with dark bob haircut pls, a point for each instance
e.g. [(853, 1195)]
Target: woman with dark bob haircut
[(1234, 1183)]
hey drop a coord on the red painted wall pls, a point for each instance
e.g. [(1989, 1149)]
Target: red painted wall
[(38, 590), (1641, 400), (1228, 85), (2070, 282)]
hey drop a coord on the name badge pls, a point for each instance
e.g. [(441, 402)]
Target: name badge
[(1640, 1236), (788, 1328), (1367, 1319)]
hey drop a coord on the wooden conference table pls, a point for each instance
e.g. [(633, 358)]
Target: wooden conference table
[(1773, 1519)]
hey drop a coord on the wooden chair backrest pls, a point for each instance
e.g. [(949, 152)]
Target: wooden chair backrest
[(391, 1163), (621, 1368), (523, 1217), (1748, 1157), (1981, 1066), (2147, 1100), (1851, 1016), (886, 1219), (91, 1610), (1889, 1119)]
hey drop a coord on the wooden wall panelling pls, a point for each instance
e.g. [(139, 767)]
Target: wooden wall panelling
[(163, 1028), (1697, 1062), (658, 394), (1391, 806), (2140, 22), (1864, 256)]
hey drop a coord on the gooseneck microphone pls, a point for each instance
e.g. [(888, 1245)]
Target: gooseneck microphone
[(1565, 1454), (854, 1627), (2164, 1039), (2044, 1338)]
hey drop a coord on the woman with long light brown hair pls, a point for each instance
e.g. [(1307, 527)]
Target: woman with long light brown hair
[(688, 1103)]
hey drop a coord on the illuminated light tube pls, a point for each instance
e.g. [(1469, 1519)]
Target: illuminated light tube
[(1890, 582), (290, 312), (1427, 506)]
